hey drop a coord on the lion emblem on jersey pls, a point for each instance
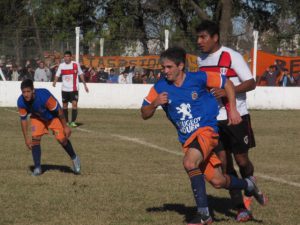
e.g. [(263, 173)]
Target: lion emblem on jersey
[(185, 109)]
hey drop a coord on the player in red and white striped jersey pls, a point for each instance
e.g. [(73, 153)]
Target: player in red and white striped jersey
[(70, 72)]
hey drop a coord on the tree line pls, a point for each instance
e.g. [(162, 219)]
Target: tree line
[(41, 24)]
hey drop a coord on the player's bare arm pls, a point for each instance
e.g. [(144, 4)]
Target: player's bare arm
[(245, 86), (27, 139), (234, 116), (84, 83), (149, 110)]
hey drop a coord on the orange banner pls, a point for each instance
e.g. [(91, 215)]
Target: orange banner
[(264, 60), (149, 62)]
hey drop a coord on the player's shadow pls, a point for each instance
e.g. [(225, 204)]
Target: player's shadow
[(216, 204), (48, 167)]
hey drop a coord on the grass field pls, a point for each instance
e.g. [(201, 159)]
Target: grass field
[(132, 173)]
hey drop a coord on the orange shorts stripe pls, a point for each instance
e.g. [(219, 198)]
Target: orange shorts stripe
[(39, 128), (208, 140)]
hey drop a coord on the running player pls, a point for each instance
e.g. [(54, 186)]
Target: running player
[(236, 139), (70, 70), (45, 113), (193, 110)]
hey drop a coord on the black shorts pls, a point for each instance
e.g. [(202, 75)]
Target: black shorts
[(236, 139), (69, 96)]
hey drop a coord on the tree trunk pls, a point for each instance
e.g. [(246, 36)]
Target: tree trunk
[(37, 31), (225, 22)]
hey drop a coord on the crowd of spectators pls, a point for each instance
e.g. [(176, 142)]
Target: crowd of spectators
[(41, 71), (274, 76), (44, 71)]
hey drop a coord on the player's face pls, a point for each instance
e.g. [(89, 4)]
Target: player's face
[(27, 94), (207, 43), (171, 70), (67, 58)]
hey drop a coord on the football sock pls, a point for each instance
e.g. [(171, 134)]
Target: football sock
[(236, 194), (199, 190), (66, 115), (36, 155), (233, 182), (69, 149), (74, 115)]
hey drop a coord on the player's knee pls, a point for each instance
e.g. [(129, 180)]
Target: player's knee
[(218, 182), (62, 141), (36, 140), (189, 164), (243, 162)]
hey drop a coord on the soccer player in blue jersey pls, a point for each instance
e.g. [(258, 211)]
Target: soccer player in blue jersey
[(192, 109), (45, 113)]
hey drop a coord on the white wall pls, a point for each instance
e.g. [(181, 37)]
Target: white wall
[(131, 95)]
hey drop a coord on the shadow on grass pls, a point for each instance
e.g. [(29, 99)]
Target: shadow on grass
[(48, 167), (216, 204)]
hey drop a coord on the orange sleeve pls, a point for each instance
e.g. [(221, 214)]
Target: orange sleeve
[(22, 112), (151, 96), (215, 80), (51, 103)]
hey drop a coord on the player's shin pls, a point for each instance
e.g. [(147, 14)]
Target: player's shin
[(199, 190), (66, 114), (68, 149), (74, 115)]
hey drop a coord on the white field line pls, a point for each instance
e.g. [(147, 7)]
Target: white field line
[(147, 144)]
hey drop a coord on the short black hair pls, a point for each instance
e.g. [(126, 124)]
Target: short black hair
[(211, 27), (175, 54), (68, 52), (27, 83)]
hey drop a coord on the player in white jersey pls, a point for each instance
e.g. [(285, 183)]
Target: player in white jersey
[(238, 139), (70, 72)]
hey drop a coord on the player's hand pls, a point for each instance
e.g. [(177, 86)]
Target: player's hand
[(161, 99), (218, 92), (67, 131), (53, 84), (28, 143), (234, 117)]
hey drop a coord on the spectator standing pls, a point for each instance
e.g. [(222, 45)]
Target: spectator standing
[(151, 78), (270, 75), (14, 73), (42, 73), (287, 80), (112, 77), (103, 76), (136, 79), (124, 78)]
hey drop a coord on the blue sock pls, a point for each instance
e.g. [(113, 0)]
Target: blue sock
[(69, 149), (233, 182), (36, 155), (199, 190)]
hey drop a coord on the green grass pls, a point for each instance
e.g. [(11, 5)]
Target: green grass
[(127, 183)]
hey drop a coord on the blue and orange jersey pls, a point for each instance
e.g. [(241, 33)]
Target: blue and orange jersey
[(44, 105), (191, 106)]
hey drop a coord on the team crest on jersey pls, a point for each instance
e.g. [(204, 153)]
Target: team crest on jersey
[(185, 109), (246, 139), (223, 71), (194, 95), (75, 71)]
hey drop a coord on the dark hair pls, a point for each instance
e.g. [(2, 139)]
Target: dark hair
[(211, 27), (175, 54), (27, 83), (68, 52)]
